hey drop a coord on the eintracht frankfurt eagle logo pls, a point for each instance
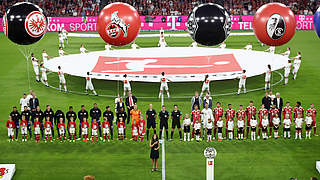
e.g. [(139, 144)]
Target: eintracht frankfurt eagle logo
[(276, 26), (116, 25), (35, 24)]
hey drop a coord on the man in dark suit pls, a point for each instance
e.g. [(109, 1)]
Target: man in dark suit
[(278, 101), (266, 100), (33, 102), (130, 102), (119, 105)]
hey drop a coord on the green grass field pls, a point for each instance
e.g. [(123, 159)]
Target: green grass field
[(242, 160)]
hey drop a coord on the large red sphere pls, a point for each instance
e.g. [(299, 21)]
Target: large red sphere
[(274, 24), (118, 24)]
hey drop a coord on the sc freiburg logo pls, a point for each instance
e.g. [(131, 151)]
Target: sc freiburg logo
[(276, 26)]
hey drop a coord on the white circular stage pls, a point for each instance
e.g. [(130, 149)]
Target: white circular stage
[(181, 64)]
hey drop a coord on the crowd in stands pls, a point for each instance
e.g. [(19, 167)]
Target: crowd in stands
[(160, 8)]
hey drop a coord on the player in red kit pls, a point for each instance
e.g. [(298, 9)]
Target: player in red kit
[(298, 110), (273, 111), (121, 127), (94, 129), (250, 112), (287, 110), (229, 114), (105, 129), (72, 129), (313, 112), (84, 129), (195, 115), (141, 128), (61, 127), (24, 126), (37, 128), (218, 112), (10, 126), (262, 112), (48, 126), (134, 128), (240, 113)]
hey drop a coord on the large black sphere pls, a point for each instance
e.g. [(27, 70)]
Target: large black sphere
[(209, 24), (24, 23)]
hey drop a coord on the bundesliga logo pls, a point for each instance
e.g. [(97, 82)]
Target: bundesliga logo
[(35, 24), (276, 27), (3, 171), (116, 24)]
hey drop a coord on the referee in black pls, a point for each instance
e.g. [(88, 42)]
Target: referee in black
[(151, 116), (164, 117), (176, 117)]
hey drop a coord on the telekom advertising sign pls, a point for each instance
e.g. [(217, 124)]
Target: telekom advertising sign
[(304, 22)]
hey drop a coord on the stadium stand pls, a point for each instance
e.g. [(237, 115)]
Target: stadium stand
[(159, 7)]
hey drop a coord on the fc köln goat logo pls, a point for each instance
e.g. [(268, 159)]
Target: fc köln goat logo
[(276, 26), (35, 24), (116, 25), (3, 171)]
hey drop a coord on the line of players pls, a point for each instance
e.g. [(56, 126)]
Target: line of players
[(247, 121), (206, 122)]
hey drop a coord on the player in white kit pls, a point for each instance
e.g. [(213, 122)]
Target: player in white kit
[(83, 50), (271, 49), (242, 82), (248, 47), (45, 57), (267, 84), (61, 40), (108, 47), (164, 84), (287, 69), (286, 124), (299, 122), (253, 124), (296, 65), (205, 86), (287, 53), (65, 35), (134, 45), (35, 65), (89, 85), (309, 121), (126, 85), (44, 78), (230, 125), (61, 52), (162, 43), (194, 44), (223, 45), (206, 114), (240, 125), (62, 80)]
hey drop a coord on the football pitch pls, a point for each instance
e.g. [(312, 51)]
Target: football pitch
[(270, 160)]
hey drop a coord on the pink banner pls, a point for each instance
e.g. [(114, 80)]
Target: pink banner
[(304, 22)]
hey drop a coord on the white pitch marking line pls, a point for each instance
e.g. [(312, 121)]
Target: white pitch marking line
[(163, 150)]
